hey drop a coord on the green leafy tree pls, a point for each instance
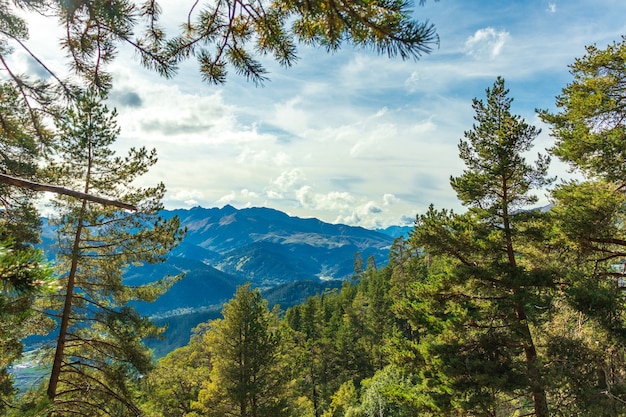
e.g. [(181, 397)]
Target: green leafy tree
[(483, 293), (248, 377), (343, 401), (388, 393), (100, 336)]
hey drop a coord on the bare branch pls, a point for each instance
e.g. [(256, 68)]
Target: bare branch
[(35, 186)]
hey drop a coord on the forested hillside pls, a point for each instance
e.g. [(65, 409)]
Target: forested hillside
[(502, 310), (498, 309)]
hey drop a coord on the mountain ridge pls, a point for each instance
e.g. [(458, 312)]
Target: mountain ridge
[(288, 258)]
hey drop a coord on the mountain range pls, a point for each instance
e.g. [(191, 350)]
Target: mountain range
[(288, 258)]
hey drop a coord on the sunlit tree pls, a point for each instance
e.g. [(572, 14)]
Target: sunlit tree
[(100, 337)]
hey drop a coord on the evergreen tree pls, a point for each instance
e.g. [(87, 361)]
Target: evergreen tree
[(23, 274), (171, 387), (248, 377), (100, 336), (22, 269), (589, 130), (476, 307)]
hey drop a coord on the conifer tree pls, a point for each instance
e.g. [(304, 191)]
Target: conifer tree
[(476, 307), (248, 377), (99, 344), (22, 268), (589, 130)]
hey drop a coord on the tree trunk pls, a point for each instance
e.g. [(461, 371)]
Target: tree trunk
[(67, 310), (540, 401)]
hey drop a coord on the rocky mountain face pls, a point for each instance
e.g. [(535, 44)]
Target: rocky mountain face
[(267, 247), (225, 247)]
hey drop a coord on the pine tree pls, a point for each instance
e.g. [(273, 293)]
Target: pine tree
[(247, 378), (99, 344), (589, 130), (476, 308), (22, 268)]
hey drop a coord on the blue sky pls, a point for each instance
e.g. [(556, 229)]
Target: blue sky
[(351, 137)]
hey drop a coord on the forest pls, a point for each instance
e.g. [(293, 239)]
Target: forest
[(499, 310)]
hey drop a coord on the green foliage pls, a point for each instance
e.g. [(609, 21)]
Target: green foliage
[(588, 224), (171, 387), (100, 346), (343, 402), (389, 393), (19, 156), (478, 289), (589, 128), (23, 274), (222, 32), (248, 375)]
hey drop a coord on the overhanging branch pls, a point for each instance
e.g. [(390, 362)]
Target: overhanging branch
[(35, 186)]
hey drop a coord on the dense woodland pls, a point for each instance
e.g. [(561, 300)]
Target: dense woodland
[(501, 310)]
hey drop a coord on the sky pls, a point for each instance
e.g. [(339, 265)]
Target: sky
[(349, 137)]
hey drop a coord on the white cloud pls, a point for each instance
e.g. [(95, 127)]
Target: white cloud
[(552, 7), (274, 195), (287, 180), (389, 199), (249, 194), (184, 197), (333, 200), (413, 81), (486, 43), (228, 198), (290, 116)]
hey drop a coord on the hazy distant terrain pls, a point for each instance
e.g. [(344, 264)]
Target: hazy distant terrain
[(289, 258)]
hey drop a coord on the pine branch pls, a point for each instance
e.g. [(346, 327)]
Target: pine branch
[(35, 186)]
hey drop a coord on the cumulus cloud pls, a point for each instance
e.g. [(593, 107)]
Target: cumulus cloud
[(363, 214), (333, 200), (228, 198), (187, 197), (287, 180), (552, 7), (486, 43), (389, 199), (274, 195), (290, 115), (249, 194)]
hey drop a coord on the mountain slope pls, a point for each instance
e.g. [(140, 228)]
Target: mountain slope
[(289, 258), (268, 247)]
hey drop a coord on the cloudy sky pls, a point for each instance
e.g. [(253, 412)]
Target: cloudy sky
[(353, 137)]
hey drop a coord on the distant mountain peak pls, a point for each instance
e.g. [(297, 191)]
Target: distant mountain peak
[(277, 248)]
